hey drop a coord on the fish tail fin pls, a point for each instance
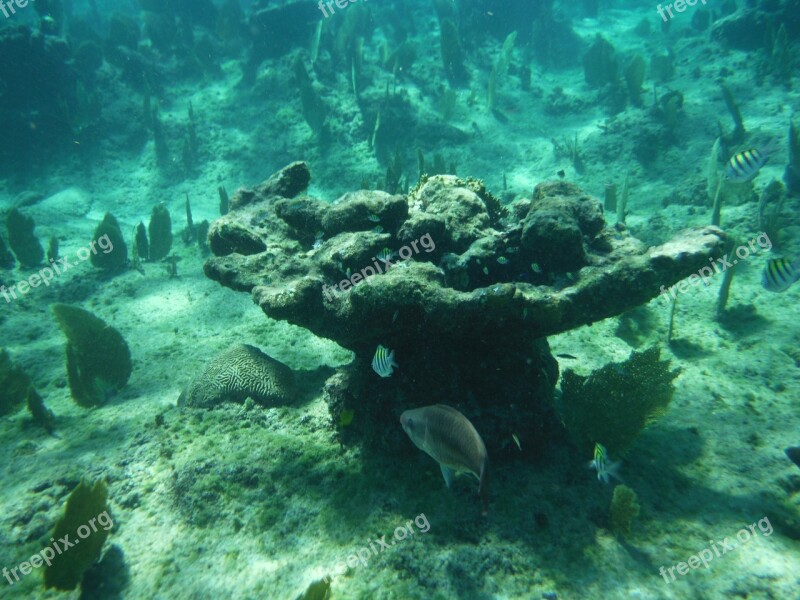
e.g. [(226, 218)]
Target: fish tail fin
[(613, 471), (392, 360), (769, 148), (484, 488)]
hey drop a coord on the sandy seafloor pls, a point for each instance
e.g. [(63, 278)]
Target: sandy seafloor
[(257, 503)]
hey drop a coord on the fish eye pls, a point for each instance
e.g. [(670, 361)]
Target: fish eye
[(410, 422)]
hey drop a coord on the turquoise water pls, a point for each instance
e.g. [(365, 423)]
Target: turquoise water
[(265, 264)]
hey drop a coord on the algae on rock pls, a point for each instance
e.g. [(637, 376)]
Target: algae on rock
[(615, 403), (24, 243), (98, 358), (85, 505), (14, 385)]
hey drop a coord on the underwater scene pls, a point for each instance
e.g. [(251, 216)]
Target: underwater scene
[(400, 299)]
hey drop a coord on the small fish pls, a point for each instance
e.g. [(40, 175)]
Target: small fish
[(502, 260), (604, 470), (374, 218), (536, 268), (780, 274), (385, 255), (516, 441), (378, 229), (561, 174), (562, 355), (450, 439), (383, 362), (793, 452), (485, 270), (746, 165)]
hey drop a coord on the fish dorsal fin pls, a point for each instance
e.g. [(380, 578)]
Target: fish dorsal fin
[(449, 409)]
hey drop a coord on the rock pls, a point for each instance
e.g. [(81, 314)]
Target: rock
[(467, 320), (239, 373), (68, 203), (287, 183), (561, 223)]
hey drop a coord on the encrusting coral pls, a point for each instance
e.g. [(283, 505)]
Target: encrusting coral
[(238, 373), (480, 297)]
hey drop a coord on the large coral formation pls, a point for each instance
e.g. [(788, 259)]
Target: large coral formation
[(98, 359), (468, 318), (84, 505), (615, 403), (238, 373)]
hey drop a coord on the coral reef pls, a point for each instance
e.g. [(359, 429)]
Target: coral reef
[(14, 385), (84, 505), (24, 243), (238, 373), (98, 359), (615, 403), (624, 509), (42, 415), (112, 253), (473, 289), (7, 260), (160, 230)]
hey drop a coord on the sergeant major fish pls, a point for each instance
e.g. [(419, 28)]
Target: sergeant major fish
[(383, 363), (746, 165), (780, 274), (450, 439), (600, 464)]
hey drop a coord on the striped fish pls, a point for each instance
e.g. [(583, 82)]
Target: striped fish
[(746, 165), (383, 362), (600, 464), (780, 274)]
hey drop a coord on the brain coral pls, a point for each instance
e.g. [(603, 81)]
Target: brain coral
[(238, 373)]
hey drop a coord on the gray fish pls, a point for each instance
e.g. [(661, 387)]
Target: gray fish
[(452, 441)]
